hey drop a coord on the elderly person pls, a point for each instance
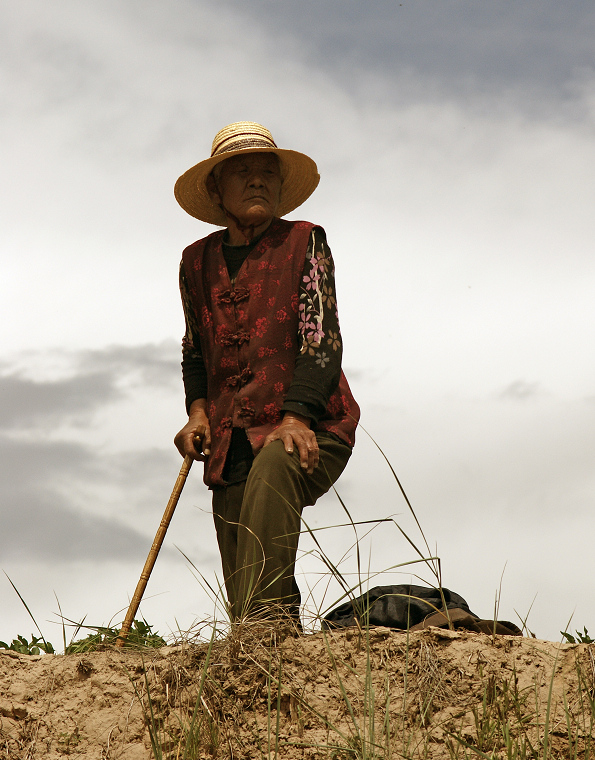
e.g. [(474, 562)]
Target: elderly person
[(270, 412)]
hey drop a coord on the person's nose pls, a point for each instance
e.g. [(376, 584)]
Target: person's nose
[(256, 179)]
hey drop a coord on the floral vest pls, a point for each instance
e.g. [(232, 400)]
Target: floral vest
[(249, 338)]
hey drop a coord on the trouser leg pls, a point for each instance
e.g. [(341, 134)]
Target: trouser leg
[(259, 523), (227, 506)]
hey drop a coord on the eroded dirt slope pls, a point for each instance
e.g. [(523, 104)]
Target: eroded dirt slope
[(341, 695)]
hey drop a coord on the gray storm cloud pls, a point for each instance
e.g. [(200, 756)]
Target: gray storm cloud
[(41, 521), (46, 485), (24, 401)]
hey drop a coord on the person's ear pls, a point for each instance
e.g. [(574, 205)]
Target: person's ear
[(213, 190)]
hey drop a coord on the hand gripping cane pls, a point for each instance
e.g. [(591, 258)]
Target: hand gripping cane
[(149, 564)]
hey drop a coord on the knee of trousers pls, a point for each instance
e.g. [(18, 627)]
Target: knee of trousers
[(277, 471), (273, 460)]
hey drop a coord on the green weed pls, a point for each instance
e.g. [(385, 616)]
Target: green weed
[(102, 637), (141, 636), (22, 646), (580, 638)]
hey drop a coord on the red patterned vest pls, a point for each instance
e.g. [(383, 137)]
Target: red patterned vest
[(249, 338)]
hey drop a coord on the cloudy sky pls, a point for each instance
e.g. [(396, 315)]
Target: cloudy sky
[(455, 143)]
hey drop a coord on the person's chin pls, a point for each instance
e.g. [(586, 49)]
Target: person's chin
[(258, 216)]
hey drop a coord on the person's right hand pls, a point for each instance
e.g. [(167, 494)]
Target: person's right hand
[(194, 439)]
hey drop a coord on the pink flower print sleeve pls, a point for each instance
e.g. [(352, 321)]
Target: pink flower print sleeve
[(318, 365)]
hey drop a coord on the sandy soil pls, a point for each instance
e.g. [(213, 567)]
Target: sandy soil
[(337, 696)]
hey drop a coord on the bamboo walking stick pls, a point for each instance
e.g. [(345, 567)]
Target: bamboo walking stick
[(149, 564)]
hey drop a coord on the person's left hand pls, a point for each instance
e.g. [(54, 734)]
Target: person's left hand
[(295, 430)]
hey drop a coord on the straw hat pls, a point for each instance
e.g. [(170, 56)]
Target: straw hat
[(299, 172)]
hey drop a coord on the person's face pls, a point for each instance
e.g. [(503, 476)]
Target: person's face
[(248, 187)]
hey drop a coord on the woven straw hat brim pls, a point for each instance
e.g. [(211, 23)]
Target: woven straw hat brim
[(299, 173)]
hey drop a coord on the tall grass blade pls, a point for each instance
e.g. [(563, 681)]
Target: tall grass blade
[(48, 648), (396, 477)]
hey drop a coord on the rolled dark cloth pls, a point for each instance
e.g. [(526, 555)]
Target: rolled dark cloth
[(413, 607)]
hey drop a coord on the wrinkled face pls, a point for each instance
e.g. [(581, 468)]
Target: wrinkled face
[(248, 187)]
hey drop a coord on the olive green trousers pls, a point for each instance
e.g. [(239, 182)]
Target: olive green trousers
[(258, 525)]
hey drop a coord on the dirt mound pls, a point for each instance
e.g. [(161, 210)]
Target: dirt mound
[(373, 694)]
